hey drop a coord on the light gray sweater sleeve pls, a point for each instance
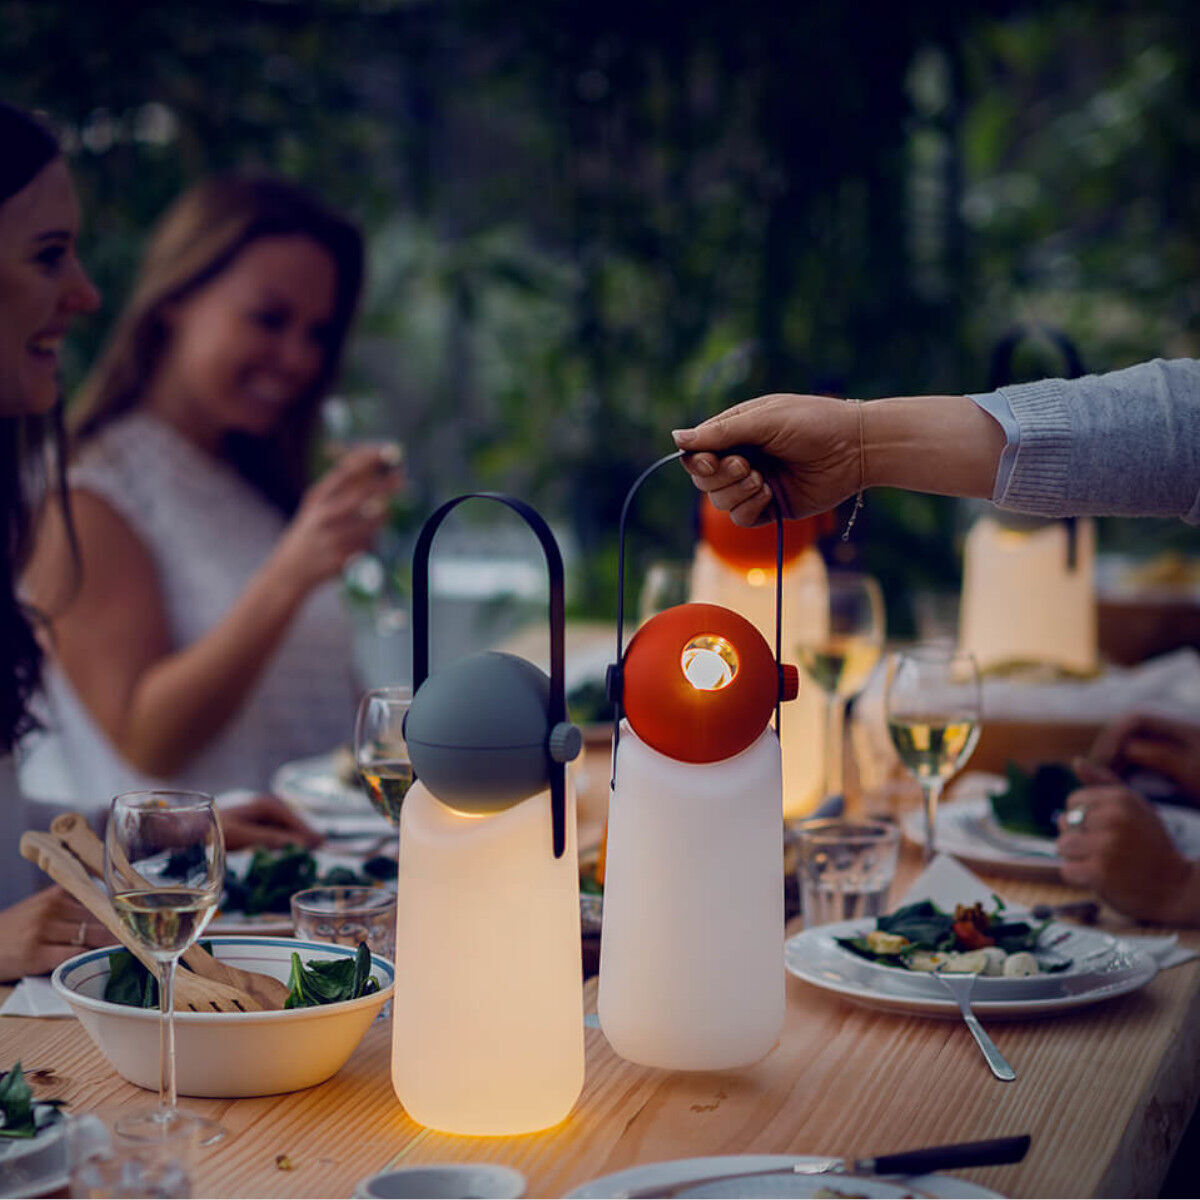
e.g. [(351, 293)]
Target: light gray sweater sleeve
[(1126, 443)]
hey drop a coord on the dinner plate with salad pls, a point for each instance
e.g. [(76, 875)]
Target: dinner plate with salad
[(1007, 823), (1023, 967), (259, 884)]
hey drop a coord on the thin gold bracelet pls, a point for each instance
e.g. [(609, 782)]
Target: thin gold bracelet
[(862, 469)]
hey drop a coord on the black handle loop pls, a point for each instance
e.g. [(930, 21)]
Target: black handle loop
[(615, 681), (420, 630), (1000, 374)]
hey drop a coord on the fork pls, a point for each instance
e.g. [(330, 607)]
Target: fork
[(191, 990), (73, 831), (960, 985)]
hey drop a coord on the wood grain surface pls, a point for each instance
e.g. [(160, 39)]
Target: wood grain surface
[(1106, 1093)]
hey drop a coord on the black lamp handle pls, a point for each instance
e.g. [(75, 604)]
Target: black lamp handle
[(554, 564), (615, 686)]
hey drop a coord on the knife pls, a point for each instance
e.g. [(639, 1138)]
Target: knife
[(992, 1152)]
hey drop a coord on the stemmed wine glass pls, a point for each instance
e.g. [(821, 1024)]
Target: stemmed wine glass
[(380, 751), (164, 864), (933, 708), (840, 653)]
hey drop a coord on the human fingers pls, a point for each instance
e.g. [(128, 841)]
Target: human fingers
[(268, 810), (1090, 772), (1166, 757), (77, 935), (742, 424)]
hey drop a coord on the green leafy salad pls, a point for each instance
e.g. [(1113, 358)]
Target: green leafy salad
[(1031, 801), (272, 876), (21, 1116), (312, 983), (923, 937)]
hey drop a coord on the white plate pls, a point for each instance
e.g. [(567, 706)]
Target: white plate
[(669, 1174), (1091, 953), (966, 828), (817, 959), (313, 784)]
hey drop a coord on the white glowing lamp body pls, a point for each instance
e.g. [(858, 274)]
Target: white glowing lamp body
[(805, 618), (1021, 603), (487, 1023), (691, 955)]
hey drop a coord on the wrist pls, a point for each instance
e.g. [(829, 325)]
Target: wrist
[(946, 445)]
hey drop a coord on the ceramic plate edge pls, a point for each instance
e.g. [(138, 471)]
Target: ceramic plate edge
[(675, 1171), (1142, 970)]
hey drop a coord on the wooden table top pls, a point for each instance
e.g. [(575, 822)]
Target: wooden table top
[(1105, 1091)]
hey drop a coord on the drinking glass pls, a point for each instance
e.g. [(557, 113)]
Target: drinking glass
[(842, 655), (845, 869), (933, 706), (347, 914), (380, 751), (666, 585), (164, 864)]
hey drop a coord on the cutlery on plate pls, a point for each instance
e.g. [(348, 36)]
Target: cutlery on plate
[(191, 991), (956, 1156), (960, 985), (73, 832)]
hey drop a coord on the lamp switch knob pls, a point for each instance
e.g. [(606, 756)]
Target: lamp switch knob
[(789, 681), (565, 742)]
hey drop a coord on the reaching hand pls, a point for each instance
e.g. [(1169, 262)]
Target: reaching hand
[(1122, 850), (266, 821), (339, 516), (43, 930), (1151, 743), (810, 447)]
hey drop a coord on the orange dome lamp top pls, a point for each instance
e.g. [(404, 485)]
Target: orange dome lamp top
[(755, 547), (701, 683)]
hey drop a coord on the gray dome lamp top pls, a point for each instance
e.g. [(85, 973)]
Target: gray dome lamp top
[(491, 730)]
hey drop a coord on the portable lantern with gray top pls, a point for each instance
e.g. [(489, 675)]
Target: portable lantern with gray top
[(487, 1027)]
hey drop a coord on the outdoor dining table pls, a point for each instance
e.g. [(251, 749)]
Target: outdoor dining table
[(1105, 1092)]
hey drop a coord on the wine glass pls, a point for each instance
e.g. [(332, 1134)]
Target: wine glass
[(933, 706), (380, 751), (840, 652), (164, 864)]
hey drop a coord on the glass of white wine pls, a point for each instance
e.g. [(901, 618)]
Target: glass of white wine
[(933, 706), (164, 864), (843, 655), (380, 751)]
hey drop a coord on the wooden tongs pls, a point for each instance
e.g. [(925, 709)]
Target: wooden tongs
[(71, 854)]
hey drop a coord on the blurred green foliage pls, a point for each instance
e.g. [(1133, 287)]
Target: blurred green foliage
[(592, 223)]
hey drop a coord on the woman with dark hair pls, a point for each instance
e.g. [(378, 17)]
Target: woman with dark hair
[(42, 286), (205, 642)]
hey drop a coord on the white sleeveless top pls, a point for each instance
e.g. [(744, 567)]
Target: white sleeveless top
[(208, 531)]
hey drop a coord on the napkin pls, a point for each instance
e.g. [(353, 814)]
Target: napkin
[(34, 997), (947, 882)]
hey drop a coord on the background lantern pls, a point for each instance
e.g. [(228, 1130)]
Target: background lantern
[(691, 960), (487, 1029), (735, 567)]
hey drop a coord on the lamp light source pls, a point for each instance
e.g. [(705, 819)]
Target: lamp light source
[(487, 1030), (691, 968), (736, 567)]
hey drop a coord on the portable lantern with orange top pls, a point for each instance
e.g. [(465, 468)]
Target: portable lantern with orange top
[(691, 970)]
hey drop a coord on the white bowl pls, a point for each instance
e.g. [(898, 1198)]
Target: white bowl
[(228, 1054), (443, 1180)]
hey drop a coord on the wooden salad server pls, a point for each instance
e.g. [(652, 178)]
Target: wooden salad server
[(77, 836), (192, 991)]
